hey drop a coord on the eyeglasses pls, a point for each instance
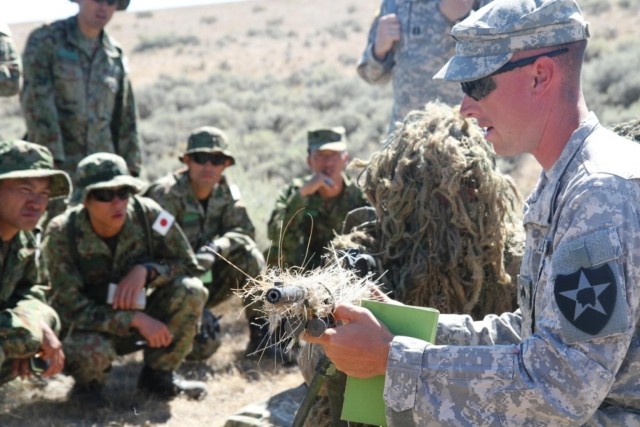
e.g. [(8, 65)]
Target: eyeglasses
[(202, 158), (107, 195), (109, 2), (478, 89)]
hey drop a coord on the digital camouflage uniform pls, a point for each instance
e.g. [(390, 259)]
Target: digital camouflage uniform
[(76, 102), (23, 280), (95, 333), (9, 63), (571, 354), (298, 222), (424, 46)]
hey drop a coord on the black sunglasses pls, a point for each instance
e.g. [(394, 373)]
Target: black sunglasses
[(108, 194), (202, 158), (109, 2), (478, 89)]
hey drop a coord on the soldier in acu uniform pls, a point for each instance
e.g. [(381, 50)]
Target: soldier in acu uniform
[(10, 65), (571, 354), (124, 278), (408, 42), (28, 326), (77, 98), (210, 210)]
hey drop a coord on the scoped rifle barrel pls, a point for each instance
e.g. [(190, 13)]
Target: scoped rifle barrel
[(285, 295)]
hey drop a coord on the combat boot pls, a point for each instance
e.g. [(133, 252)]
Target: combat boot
[(168, 384), (268, 346)]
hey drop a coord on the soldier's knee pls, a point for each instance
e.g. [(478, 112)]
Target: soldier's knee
[(190, 289)]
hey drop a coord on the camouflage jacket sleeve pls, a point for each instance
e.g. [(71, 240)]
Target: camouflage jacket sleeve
[(22, 300), (369, 68), (37, 96), (580, 343), (173, 255), (235, 223), (128, 138), (10, 66)]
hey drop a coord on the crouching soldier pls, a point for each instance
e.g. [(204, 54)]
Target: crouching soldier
[(28, 326), (211, 212), (124, 278)]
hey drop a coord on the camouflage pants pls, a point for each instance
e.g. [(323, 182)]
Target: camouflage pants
[(228, 276), (178, 305), (320, 414)]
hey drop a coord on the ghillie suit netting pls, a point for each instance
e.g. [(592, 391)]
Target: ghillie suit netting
[(447, 220)]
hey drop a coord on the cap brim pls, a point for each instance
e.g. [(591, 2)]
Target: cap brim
[(80, 194), (468, 68), (209, 150), (60, 181), (331, 146)]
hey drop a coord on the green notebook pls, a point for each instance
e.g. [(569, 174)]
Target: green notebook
[(363, 401)]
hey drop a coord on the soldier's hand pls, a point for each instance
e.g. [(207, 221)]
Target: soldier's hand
[(387, 34), (154, 331), (20, 368), (360, 347), (313, 185), (51, 351), (129, 288), (455, 10)]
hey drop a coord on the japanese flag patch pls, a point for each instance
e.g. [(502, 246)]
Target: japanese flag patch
[(163, 223)]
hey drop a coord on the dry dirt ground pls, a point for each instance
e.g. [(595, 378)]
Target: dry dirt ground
[(249, 38)]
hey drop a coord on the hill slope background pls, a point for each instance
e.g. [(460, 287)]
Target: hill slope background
[(266, 71)]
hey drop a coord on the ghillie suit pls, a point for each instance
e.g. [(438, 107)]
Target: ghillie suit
[(446, 226), (445, 229), (630, 129)]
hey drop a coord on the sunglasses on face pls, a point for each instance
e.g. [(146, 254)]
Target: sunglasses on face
[(202, 158), (107, 195), (109, 2), (478, 89)]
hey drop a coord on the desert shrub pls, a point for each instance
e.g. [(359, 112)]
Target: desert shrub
[(209, 20), (164, 41)]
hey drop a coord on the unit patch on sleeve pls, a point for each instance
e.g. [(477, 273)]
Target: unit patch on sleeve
[(587, 298)]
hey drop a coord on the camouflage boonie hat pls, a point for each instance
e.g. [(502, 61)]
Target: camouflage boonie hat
[(122, 4), (488, 38), (102, 170), (333, 139), (22, 159), (208, 139)]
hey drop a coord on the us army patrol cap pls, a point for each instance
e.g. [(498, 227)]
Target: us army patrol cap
[(122, 4), (102, 170), (22, 159), (489, 37), (208, 139), (333, 139)]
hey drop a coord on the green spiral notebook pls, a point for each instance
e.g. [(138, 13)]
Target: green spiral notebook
[(363, 401)]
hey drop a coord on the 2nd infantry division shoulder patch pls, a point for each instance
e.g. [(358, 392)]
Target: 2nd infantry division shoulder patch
[(587, 298)]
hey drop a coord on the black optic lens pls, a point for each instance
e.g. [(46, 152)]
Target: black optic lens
[(214, 159), (478, 89), (107, 195), (109, 2)]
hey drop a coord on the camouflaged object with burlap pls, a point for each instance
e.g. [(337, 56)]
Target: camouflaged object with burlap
[(448, 233)]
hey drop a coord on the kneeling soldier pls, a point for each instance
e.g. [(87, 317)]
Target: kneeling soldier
[(211, 212), (124, 278), (28, 342)]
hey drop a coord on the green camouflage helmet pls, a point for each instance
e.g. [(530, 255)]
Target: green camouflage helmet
[(208, 139), (122, 4), (22, 159), (102, 170), (488, 38), (333, 139)]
